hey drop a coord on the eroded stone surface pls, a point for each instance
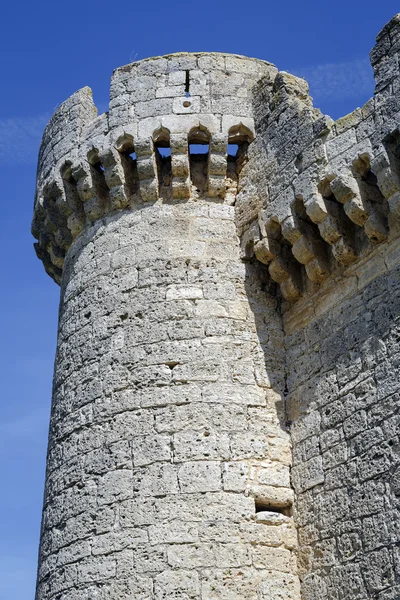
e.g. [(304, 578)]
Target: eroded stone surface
[(164, 416)]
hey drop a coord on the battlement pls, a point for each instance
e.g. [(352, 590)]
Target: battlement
[(165, 138)]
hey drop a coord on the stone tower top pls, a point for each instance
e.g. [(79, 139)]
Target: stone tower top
[(305, 177), (138, 152)]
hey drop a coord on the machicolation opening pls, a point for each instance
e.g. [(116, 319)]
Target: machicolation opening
[(375, 208), (71, 191), (239, 139), (162, 149), (199, 152), (99, 181), (126, 149)]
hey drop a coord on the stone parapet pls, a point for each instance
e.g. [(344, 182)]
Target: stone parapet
[(331, 190), (139, 151)]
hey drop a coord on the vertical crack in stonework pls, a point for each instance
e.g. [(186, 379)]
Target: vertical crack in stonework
[(229, 267)]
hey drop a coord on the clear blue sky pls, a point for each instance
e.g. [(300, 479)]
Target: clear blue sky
[(49, 50)]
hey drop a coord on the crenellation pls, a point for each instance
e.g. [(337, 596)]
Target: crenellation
[(104, 177)]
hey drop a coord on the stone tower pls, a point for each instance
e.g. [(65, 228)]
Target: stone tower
[(225, 416)]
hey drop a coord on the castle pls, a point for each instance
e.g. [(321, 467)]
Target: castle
[(225, 418)]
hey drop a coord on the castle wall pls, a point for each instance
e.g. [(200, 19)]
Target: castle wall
[(342, 358), (166, 425), (327, 230)]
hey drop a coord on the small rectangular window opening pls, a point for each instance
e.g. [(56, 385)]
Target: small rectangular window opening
[(265, 507)]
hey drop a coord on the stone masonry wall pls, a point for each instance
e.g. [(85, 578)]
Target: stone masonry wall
[(342, 356), (165, 428), (319, 205)]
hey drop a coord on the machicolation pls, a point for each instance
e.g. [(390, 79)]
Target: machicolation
[(225, 417)]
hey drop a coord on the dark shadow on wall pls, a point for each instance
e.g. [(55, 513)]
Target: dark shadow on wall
[(269, 363), (264, 302)]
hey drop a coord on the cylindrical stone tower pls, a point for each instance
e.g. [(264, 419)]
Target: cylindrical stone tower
[(168, 460)]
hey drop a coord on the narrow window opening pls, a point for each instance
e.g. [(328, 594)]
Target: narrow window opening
[(162, 150), (187, 84), (233, 150), (199, 152), (199, 148), (129, 165), (98, 167)]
